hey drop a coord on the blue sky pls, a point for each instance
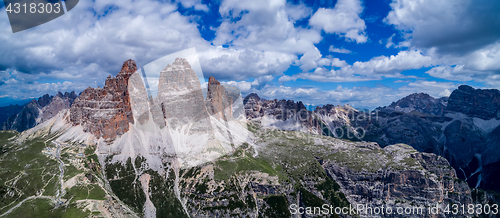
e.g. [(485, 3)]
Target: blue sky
[(362, 53)]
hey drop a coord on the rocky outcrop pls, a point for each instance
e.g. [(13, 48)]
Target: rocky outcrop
[(462, 129), (420, 102), (281, 114), (57, 103), (219, 103), (396, 176), (39, 111), (180, 98), (481, 103), (312, 170), (7, 111), (106, 112)]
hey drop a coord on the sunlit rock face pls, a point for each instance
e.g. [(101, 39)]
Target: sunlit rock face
[(180, 97), (106, 112), (281, 114), (420, 102), (182, 107), (480, 103)]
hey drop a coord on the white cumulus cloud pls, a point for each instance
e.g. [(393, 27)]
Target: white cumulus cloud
[(342, 20)]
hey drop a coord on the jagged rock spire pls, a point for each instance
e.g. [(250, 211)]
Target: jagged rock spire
[(218, 102), (106, 112)]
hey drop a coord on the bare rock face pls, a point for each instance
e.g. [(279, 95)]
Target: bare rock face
[(106, 112), (281, 114), (484, 104), (219, 103), (139, 99), (181, 106), (180, 97), (39, 111), (57, 103), (420, 102)]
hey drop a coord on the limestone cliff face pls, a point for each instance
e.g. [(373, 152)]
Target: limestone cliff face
[(281, 114), (481, 103), (180, 97), (181, 106), (106, 112)]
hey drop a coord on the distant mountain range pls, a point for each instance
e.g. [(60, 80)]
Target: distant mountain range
[(464, 128), (181, 154), (36, 111), (7, 111)]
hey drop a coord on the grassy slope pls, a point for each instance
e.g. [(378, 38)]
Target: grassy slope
[(25, 171), (43, 208)]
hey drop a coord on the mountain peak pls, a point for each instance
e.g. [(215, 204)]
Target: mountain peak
[(111, 101), (181, 61), (128, 68), (420, 102), (212, 80), (466, 88), (481, 103), (252, 95), (218, 102)]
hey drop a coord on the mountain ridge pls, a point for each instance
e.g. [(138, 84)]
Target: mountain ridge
[(39, 110), (461, 128), (216, 163)]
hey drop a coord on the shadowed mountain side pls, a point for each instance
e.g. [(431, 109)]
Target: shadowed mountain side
[(38, 111), (106, 112), (7, 111)]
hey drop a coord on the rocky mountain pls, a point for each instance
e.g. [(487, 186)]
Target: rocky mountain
[(39, 111), (7, 111), (281, 114), (219, 101), (419, 102), (105, 112), (462, 128), (480, 103), (142, 142), (118, 152), (295, 169)]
